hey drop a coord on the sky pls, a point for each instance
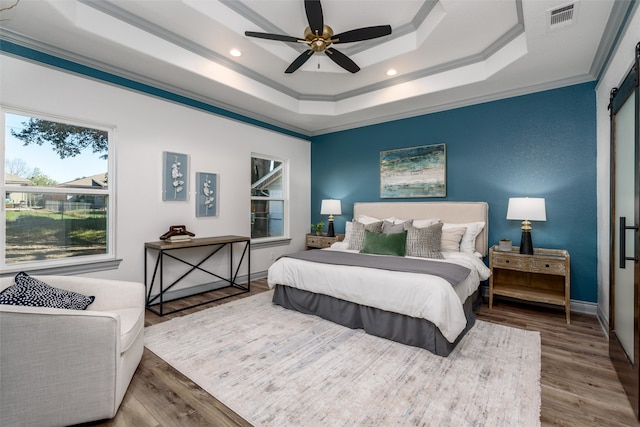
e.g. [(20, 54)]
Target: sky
[(44, 158)]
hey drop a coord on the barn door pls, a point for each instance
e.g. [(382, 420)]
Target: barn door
[(624, 313)]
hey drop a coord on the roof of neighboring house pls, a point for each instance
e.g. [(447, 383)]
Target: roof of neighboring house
[(11, 179), (94, 181)]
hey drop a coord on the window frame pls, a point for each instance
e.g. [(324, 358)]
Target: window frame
[(266, 241), (68, 265)]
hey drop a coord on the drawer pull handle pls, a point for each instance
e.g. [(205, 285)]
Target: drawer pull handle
[(546, 265)]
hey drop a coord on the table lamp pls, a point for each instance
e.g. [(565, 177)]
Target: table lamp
[(526, 209), (331, 207)]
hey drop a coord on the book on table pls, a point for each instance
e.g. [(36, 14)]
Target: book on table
[(178, 238)]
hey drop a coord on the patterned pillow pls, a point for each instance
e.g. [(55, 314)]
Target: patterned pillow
[(357, 234), (32, 292), (424, 242)]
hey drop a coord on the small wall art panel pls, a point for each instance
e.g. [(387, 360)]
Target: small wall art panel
[(413, 172), (206, 194), (175, 174)]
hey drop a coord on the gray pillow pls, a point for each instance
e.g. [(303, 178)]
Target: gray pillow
[(424, 242), (389, 227), (357, 233)]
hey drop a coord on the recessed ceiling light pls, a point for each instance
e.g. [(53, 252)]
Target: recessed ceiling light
[(235, 52), (391, 72)]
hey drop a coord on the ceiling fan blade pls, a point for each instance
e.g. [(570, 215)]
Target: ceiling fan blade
[(304, 56), (342, 60), (314, 15), (366, 33), (269, 36)]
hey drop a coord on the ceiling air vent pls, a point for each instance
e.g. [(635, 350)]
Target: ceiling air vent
[(562, 16)]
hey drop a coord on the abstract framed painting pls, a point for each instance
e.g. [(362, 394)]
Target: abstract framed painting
[(206, 194), (413, 172), (175, 173)]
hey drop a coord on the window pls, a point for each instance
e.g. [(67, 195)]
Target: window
[(268, 197), (58, 193)]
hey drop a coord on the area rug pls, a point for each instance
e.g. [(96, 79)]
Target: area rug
[(277, 367)]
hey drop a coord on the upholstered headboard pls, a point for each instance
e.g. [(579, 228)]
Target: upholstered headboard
[(448, 212)]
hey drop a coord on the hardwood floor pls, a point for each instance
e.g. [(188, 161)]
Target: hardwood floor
[(578, 383)]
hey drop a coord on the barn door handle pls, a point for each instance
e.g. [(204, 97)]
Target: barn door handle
[(623, 242)]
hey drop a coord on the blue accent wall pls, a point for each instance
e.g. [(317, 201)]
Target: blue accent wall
[(538, 145)]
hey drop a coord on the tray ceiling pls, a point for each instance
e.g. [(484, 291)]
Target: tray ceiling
[(447, 53)]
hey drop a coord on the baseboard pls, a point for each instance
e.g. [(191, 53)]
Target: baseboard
[(584, 307), (604, 322), (207, 287)]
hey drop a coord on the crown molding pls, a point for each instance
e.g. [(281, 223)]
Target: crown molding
[(39, 53), (616, 27), (457, 104)]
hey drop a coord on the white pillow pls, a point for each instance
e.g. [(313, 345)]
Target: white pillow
[(422, 223), (340, 245), (450, 240), (364, 219), (468, 242)]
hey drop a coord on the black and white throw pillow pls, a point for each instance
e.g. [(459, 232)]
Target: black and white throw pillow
[(32, 292)]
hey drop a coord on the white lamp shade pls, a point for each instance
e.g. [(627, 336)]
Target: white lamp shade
[(527, 208), (331, 207)]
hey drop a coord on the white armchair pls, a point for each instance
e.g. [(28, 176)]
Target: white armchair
[(62, 367)]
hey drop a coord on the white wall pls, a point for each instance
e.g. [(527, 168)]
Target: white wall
[(617, 69), (147, 126)]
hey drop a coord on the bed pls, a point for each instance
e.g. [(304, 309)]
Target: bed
[(418, 301)]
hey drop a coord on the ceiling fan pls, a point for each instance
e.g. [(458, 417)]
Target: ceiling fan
[(320, 37)]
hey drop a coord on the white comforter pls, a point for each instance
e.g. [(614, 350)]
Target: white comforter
[(416, 295)]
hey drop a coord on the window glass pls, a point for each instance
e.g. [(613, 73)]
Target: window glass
[(267, 197), (56, 225), (56, 188)]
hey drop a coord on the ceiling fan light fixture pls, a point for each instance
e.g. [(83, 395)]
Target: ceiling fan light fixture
[(317, 42)]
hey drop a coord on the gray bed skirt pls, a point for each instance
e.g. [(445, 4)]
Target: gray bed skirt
[(396, 327)]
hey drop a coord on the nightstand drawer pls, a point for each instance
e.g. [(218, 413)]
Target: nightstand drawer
[(508, 261), (319, 241), (549, 266)]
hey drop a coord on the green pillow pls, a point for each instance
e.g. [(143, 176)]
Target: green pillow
[(384, 244)]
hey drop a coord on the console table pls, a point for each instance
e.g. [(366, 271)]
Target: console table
[(172, 249)]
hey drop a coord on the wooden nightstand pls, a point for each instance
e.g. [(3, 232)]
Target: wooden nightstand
[(541, 277), (319, 242)]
